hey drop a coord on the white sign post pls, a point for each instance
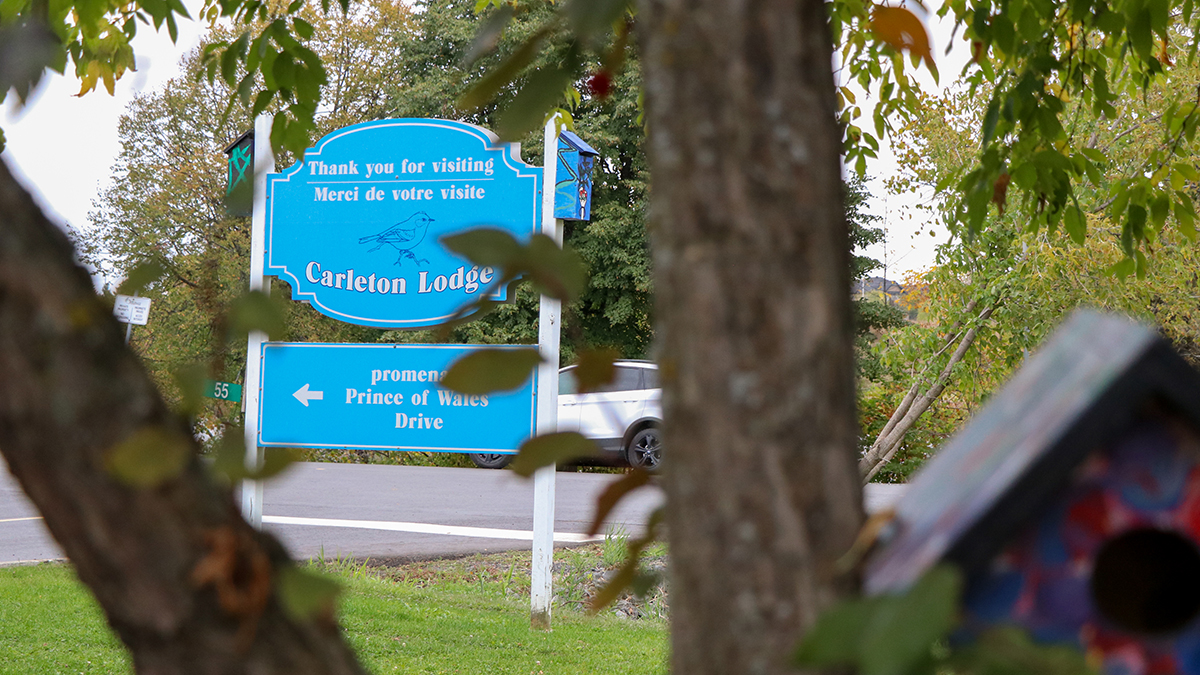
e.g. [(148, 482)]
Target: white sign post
[(549, 328), (264, 163), (131, 310)]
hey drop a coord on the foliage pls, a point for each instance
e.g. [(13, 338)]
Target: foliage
[(1049, 73), (615, 309), (1036, 276)]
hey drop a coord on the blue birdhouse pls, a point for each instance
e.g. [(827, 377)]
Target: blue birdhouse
[(1071, 503), (573, 184)]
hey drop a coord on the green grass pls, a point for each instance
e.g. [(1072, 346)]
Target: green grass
[(49, 624), (465, 616)]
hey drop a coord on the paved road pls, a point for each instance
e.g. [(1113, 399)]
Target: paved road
[(394, 512)]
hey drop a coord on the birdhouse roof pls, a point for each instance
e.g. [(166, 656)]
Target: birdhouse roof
[(229, 148), (1089, 381), (576, 142)]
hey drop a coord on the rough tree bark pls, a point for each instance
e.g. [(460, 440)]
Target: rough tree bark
[(753, 306), (185, 583)]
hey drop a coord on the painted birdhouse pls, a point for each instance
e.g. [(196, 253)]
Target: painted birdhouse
[(239, 190), (573, 178), (1072, 503)]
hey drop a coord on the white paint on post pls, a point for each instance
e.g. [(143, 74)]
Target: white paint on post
[(264, 163), (549, 327)]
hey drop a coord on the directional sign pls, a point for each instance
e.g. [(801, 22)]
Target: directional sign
[(383, 397), (355, 227), (129, 309)]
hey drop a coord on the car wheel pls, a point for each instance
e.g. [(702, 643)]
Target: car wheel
[(486, 460), (645, 449)]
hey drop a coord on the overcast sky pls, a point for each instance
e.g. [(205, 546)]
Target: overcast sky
[(63, 147)]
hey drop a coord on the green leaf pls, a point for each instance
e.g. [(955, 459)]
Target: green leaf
[(142, 275), (256, 311), (590, 19), (990, 118), (550, 449), (303, 28), (1140, 34), (489, 34), (1075, 223), (229, 455), (487, 88), (149, 457), (556, 272), (306, 595), (1134, 229), (1123, 268), (1160, 208), (835, 639), (191, 379), (491, 370), (1185, 215), (528, 110), (904, 629), (486, 247), (1010, 651)]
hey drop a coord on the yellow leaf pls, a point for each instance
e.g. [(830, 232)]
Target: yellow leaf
[(902, 30)]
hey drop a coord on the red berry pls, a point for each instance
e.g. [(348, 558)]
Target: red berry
[(600, 84)]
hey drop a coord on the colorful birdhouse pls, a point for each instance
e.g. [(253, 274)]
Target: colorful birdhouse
[(239, 190), (1072, 503), (573, 178)]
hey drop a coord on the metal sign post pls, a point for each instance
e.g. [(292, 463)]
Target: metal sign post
[(264, 163), (549, 328)]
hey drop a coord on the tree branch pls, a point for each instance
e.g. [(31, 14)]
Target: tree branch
[(889, 440)]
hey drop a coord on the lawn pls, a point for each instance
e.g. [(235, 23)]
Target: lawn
[(464, 616)]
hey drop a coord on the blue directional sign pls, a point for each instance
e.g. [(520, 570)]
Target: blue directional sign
[(355, 227), (383, 397)]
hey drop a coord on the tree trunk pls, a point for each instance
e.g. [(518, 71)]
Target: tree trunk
[(185, 583), (752, 289)]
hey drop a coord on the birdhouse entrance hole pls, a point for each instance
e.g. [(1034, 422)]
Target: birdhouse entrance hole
[(1147, 581)]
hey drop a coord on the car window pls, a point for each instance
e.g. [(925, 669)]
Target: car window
[(624, 379), (566, 382), (650, 378)]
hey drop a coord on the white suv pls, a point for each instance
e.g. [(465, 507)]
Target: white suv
[(624, 417)]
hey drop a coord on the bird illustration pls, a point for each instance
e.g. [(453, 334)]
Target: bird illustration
[(404, 236)]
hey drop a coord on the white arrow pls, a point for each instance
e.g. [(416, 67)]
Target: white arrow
[(304, 395)]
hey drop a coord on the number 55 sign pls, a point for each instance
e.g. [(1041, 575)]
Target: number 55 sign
[(223, 391)]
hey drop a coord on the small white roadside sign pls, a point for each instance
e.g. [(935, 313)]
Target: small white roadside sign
[(129, 309)]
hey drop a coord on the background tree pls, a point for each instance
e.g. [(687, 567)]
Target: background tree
[(614, 311), (1030, 277), (871, 315)]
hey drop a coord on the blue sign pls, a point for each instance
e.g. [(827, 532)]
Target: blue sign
[(355, 227), (383, 397)]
